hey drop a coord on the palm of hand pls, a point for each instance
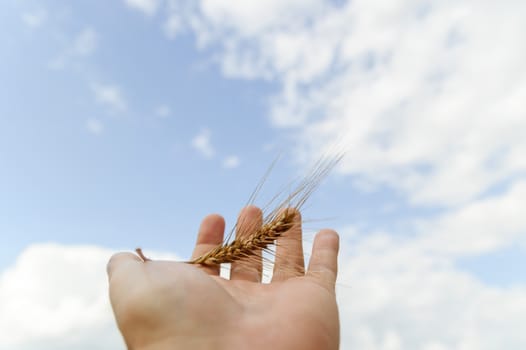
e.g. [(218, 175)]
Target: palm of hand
[(175, 305)]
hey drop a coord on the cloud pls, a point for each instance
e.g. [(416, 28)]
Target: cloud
[(110, 96), (83, 45), (410, 87), (172, 26), (231, 162), (148, 7), (94, 126), (56, 297), (34, 19), (163, 111), (407, 292), (483, 226), (201, 142), (400, 297)]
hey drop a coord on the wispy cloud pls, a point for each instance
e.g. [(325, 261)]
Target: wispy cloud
[(83, 45), (148, 7), (178, 17), (202, 143), (172, 26), (231, 162), (163, 111), (110, 96), (401, 91), (94, 126), (34, 19)]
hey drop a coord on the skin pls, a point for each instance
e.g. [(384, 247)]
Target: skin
[(173, 305)]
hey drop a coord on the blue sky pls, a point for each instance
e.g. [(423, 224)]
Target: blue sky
[(124, 123), (138, 182)]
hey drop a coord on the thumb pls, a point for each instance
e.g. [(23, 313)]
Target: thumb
[(119, 261), (323, 264)]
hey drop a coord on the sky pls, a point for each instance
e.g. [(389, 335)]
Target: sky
[(124, 123)]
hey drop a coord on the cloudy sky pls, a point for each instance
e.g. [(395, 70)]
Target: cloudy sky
[(123, 123)]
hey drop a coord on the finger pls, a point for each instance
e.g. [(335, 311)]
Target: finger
[(323, 265), (120, 260), (122, 269), (210, 235), (250, 220), (289, 251)]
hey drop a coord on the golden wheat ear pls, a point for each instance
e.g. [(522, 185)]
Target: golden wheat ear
[(248, 247)]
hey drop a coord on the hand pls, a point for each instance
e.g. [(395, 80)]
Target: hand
[(175, 305)]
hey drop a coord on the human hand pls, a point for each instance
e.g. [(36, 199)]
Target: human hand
[(175, 305)]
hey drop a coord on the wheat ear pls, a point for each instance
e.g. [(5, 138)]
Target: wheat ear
[(249, 246)]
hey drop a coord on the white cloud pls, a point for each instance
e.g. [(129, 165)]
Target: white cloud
[(251, 18), (83, 44), (110, 96), (163, 111), (231, 162), (34, 19), (407, 292), (480, 227), (56, 297), (148, 7), (201, 142), (400, 297), (410, 87), (94, 126)]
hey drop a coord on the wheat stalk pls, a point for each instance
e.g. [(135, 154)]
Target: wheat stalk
[(275, 225)]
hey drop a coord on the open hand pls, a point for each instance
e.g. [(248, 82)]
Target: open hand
[(175, 305)]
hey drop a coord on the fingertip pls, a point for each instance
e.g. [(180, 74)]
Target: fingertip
[(213, 216), (251, 210), (213, 219), (209, 236), (249, 218), (323, 265), (211, 229), (328, 239), (119, 259)]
